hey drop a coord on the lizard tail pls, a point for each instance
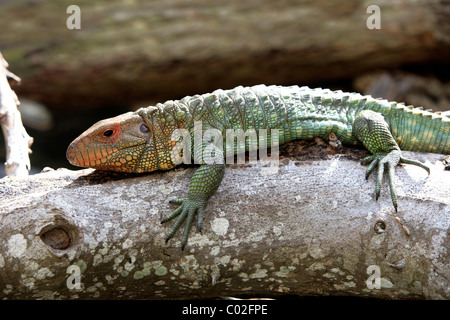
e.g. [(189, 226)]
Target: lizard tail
[(421, 130)]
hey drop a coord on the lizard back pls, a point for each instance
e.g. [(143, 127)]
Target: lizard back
[(305, 113)]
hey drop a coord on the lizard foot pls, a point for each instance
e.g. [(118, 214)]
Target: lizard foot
[(389, 160), (188, 209)]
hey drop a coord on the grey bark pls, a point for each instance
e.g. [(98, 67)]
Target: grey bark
[(313, 228)]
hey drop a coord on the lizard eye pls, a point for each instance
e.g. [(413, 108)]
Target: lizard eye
[(144, 128), (108, 133)]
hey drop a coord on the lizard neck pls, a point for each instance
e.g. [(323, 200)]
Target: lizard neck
[(164, 120)]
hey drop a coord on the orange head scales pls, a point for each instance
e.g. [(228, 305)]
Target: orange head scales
[(125, 143)]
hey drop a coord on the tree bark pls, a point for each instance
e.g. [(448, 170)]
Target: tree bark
[(313, 228)]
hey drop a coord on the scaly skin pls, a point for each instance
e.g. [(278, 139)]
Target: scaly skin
[(141, 141)]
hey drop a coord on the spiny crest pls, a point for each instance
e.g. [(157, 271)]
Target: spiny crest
[(305, 97), (316, 100), (363, 100), (428, 114), (147, 112)]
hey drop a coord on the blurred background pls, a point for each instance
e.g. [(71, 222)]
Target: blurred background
[(133, 53)]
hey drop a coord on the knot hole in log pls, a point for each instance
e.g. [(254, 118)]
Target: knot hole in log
[(56, 238), (60, 235)]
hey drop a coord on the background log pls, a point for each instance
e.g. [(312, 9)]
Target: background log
[(129, 52), (311, 229)]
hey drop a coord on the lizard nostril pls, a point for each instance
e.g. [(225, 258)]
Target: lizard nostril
[(71, 153)]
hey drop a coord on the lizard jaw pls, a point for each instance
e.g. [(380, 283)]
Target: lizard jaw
[(88, 157), (97, 158)]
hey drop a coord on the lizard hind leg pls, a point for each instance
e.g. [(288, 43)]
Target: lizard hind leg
[(373, 131)]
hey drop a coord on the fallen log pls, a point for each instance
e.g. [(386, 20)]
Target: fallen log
[(312, 228)]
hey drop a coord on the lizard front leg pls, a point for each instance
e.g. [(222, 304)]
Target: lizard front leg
[(372, 130), (204, 184)]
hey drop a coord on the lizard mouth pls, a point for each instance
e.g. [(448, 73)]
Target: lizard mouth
[(97, 158), (89, 157)]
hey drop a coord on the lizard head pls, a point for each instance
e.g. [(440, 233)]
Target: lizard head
[(123, 143)]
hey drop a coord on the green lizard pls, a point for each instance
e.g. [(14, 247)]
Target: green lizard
[(142, 141)]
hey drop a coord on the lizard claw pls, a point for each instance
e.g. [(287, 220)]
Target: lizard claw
[(415, 163), (188, 209), (176, 201), (204, 184), (381, 161), (388, 160)]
